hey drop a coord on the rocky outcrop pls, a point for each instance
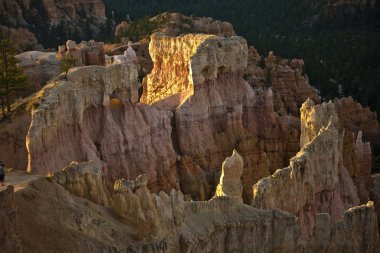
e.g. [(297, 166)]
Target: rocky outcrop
[(40, 67), (51, 18), (161, 83), (230, 180), (104, 124), (85, 180), (9, 237), (172, 24), (134, 204), (220, 224), (362, 135), (87, 53), (216, 111), (354, 117), (21, 37), (286, 77), (316, 180)]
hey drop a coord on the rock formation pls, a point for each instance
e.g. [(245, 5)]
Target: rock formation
[(87, 53), (40, 67), (9, 238), (362, 132), (44, 18), (230, 182), (286, 77), (316, 180), (172, 24), (121, 29), (216, 111), (137, 208), (220, 224), (102, 123), (22, 37), (85, 180)]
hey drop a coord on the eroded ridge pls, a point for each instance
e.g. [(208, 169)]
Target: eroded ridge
[(316, 180)]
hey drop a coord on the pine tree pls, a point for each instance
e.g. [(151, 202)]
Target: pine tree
[(67, 63), (12, 79)]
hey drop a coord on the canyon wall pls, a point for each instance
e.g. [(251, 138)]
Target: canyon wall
[(22, 19), (316, 180), (102, 123), (217, 111)]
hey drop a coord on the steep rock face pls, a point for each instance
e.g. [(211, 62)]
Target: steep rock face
[(362, 135), (200, 77), (230, 182), (45, 18), (316, 180), (355, 117), (73, 10), (22, 37), (286, 77), (85, 180), (9, 238), (102, 123), (13, 132), (161, 83)]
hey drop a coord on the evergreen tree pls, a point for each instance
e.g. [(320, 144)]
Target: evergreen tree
[(12, 79), (67, 63)]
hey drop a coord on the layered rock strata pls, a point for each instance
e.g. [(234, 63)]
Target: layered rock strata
[(286, 77), (200, 78), (85, 180), (104, 124), (316, 180)]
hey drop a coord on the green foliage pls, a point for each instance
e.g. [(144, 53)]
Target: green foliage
[(67, 63), (12, 79)]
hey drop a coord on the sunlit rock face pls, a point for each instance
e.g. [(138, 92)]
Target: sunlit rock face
[(200, 79), (316, 180), (171, 71), (230, 180)]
